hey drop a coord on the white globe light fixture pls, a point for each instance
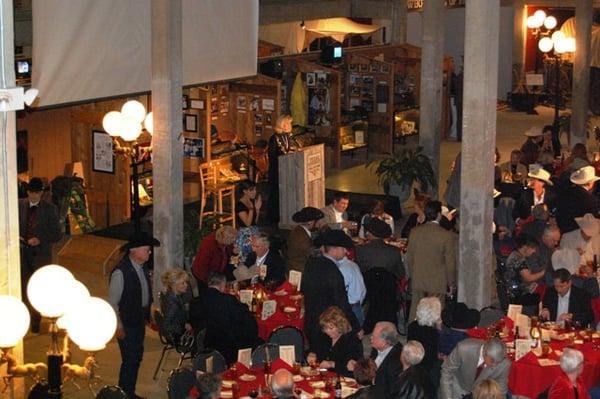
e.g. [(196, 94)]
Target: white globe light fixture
[(570, 44), (545, 44), (134, 109), (540, 16), (130, 128), (15, 321), (550, 22), (560, 46), (557, 36), (79, 293), (48, 290), (532, 22), (112, 122), (95, 326), (149, 123)]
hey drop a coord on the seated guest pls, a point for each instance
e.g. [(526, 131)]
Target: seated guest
[(473, 361), (530, 150), (488, 389), (586, 239), (418, 216), (426, 330), (364, 374), (172, 304), (550, 141), (565, 302), (376, 253), (575, 199), (414, 381), (386, 345), (282, 384), (208, 386), (457, 319), (248, 206), (570, 384), (262, 255), (336, 217), (229, 324), (513, 171), (542, 259), (299, 242), (355, 287), (377, 212), (344, 345), (213, 254), (538, 191)]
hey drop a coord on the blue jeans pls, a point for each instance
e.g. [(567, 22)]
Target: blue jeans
[(358, 312), (132, 351)]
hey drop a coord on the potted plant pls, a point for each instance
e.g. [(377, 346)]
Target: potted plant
[(398, 173)]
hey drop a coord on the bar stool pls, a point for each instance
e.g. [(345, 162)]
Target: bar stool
[(220, 192)]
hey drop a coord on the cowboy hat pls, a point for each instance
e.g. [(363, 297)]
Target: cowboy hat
[(535, 131), (378, 228), (537, 172), (307, 214), (35, 185), (584, 175), (141, 239), (335, 238), (588, 224), (460, 316), (566, 258)]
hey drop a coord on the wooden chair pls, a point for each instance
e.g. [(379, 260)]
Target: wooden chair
[(220, 192)]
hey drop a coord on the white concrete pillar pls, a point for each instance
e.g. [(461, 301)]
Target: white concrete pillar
[(479, 140), (398, 26), (584, 12), (166, 142)]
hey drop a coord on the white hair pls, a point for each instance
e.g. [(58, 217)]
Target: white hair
[(570, 360), (429, 311), (495, 349), (413, 352)]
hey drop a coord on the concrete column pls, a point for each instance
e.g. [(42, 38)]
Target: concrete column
[(398, 26), (581, 71), (432, 58), (479, 140), (519, 35), (167, 172)]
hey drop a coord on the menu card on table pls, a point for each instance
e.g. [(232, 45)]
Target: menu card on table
[(245, 356), (246, 297), (522, 347), (523, 323), (268, 309), (295, 278), (287, 353), (513, 311), (262, 271)]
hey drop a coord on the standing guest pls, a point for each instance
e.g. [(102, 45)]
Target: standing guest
[(376, 253), (431, 258), (344, 345), (377, 212), (364, 374), (565, 302), (414, 382), (488, 389), (513, 171), (299, 243), (39, 228), (538, 192), (172, 304), (355, 287), (282, 384), (386, 345), (418, 216), (323, 286), (263, 262), (336, 217), (213, 254), (280, 143), (531, 148), (248, 206), (452, 194), (229, 324), (426, 330), (457, 319), (207, 386), (570, 384), (130, 295), (473, 361), (575, 200), (586, 239)]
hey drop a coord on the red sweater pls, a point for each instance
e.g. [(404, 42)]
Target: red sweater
[(211, 257), (563, 389)]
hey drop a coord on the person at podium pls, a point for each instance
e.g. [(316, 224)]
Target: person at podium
[(280, 143)]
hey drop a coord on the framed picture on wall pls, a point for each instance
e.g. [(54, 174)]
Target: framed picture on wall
[(103, 157), (196, 103), (190, 123)]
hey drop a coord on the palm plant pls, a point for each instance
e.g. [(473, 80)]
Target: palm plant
[(405, 168)]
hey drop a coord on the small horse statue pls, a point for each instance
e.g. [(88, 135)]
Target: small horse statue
[(36, 371), (87, 372)]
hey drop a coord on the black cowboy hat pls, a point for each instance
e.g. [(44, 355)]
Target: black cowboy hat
[(460, 316), (35, 185), (307, 214), (334, 238), (141, 239), (378, 228)]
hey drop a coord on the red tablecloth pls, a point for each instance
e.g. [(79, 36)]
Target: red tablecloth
[(279, 319), (528, 378)]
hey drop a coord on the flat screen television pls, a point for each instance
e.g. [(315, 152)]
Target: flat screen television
[(23, 68), (332, 54)]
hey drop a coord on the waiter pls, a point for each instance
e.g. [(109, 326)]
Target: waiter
[(280, 143), (130, 295)]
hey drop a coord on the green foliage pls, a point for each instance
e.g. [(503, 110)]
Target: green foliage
[(404, 169)]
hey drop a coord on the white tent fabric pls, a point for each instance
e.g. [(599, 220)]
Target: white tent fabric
[(89, 49), (338, 28), (288, 35), (568, 28)]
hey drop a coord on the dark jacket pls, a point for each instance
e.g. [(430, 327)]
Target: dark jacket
[(413, 383), (323, 286), (299, 249), (229, 324), (388, 372), (347, 347), (46, 228), (131, 311), (377, 253), (523, 207), (429, 337), (571, 202), (276, 269), (579, 304), (368, 392), (175, 315)]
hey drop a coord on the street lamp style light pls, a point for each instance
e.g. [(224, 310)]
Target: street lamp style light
[(127, 125)]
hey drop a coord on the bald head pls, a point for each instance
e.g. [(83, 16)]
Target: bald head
[(282, 384)]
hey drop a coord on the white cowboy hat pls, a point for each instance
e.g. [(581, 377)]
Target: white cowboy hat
[(496, 193), (566, 258), (535, 131), (584, 175), (536, 171), (589, 225)]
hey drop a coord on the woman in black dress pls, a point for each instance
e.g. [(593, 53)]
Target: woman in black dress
[(172, 305), (247, 209), (280, 143), (345, 345)]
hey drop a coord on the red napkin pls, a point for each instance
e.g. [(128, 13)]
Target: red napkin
[(285, 286), (280, 364), (278, 317), (509, 323), (553, 356), (241, 368), (480, 333), (194, 393), (529, 358)]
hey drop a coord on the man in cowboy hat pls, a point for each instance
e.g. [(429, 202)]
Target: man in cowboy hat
[(130, 294), (299, 243), (531, 148), (39, 228), (539, 191), (585, 240), (576, 199), (376, 253), (323, 286), (458, 318)]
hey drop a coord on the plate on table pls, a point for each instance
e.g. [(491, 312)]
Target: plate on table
[(321, 394), (280, 293), (227, 383), (296, 297), (289, 309), (348, 381), (317, 384), (347, 391), (297, 378), (247, 377), (226, 394)]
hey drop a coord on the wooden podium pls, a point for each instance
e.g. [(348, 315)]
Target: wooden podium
[(301, 182)]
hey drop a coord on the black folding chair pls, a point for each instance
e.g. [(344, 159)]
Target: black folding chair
[(259, 355), (183, 347), (180, 382), (219, 364), (289, 335)]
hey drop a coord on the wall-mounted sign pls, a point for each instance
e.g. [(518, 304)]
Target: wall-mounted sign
[(414, 5)]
